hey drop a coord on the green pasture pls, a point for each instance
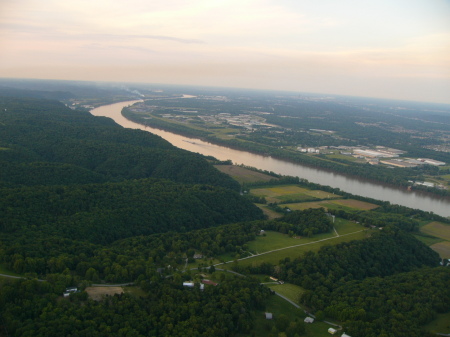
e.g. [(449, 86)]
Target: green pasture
[(275, 240), (290, 192), (428, 240), (337, 204), (291, 291), (346, 226), (294, 252)]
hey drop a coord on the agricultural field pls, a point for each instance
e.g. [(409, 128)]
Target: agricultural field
[(442, 248), (437, 229), (283, 194), (244, 175), (437, 236)]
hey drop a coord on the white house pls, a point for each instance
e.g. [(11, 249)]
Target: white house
[(309, 320), (332, 331)]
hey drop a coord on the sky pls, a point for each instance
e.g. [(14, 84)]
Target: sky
[(388, 49)]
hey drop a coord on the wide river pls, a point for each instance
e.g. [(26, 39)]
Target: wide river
[(355, 186)]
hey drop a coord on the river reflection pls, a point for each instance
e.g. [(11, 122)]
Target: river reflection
[(356, 186)]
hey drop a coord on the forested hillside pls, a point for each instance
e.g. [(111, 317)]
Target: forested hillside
[(72, 181), (34, 132)]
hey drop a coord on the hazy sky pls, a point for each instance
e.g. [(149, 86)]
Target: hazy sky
[(384, 48)]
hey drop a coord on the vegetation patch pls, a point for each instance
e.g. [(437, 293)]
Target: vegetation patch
[(271, 214), (356, 204), (437, 229), (442, 248), (343, 226), (305, 205), (440, 325), (242, 174), (294, 252), (283, 193), (291, 291), (428, 240), (98, 293)]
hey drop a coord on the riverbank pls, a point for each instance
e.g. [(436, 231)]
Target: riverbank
[(355, 186), (391, 177)]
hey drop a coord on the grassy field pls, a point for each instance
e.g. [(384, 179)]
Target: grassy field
[(440, 324), (288, 290), (437, 229), (337, 204), (290, 192), (243, 175), (428, 240), (346, 226), (271, 214), (294, 252), (276, 240), (355, 204)]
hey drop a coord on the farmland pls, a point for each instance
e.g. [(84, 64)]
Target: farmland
[(438, 237)]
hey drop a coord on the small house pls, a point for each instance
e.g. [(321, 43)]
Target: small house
[(188, 284), (269, 315), (332, 331), (345, 335), (309, 320)]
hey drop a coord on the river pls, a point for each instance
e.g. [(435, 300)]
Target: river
[(352, 185)]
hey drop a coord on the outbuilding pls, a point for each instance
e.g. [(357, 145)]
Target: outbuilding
[(332, 331)]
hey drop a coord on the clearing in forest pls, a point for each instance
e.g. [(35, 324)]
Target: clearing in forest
[(97, 293)]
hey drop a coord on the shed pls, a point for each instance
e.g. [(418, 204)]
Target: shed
[(332, 331), (309, 320), (188, 284), (269, 315), (345, 335)]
